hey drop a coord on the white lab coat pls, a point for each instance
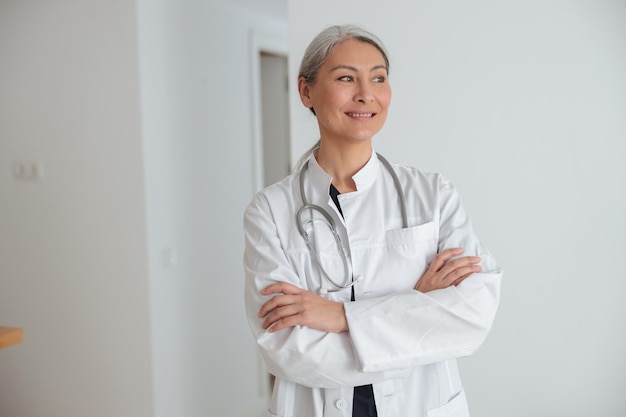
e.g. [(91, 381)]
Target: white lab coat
[(403, 342)]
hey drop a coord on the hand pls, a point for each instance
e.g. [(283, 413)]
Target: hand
[(443, 273), (293, 306)]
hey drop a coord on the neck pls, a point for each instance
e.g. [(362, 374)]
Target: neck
[(342, 163)]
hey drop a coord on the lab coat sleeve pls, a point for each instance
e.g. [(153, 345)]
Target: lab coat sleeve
[(300, 354), (412, 328)]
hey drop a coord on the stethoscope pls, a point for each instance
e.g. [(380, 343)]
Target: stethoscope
[(328, 220)]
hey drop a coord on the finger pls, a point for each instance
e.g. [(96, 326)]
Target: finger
[(458, 275), (461, 279), (279, 315), (281, 287), (465, 260), (459, 263), (458, 281), (289, 321), (274, 303), (442, 257)]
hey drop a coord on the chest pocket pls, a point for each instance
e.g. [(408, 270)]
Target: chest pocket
[(396, 260), (413, 241)]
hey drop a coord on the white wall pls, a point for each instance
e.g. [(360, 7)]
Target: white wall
[(522, 105), (197, 126), (73, 268), (123, 265)]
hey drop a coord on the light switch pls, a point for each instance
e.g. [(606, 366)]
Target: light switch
[(27, 170)]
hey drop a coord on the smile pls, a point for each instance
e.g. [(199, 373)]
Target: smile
[(361, 115)]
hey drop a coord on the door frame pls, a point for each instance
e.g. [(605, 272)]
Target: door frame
[(274, 44)]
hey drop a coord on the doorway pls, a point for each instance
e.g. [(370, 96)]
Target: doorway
[(270, 110), (275, 147)]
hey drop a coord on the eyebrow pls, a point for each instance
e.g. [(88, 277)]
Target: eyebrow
[(348, 67)]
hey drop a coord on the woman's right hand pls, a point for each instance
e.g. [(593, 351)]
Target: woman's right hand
[(293, 306), (443, 272)]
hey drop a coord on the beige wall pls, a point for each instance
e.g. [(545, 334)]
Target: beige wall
[(73, 268), (140, 114)]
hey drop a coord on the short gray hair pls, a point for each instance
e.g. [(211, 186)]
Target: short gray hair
[(319, 48)]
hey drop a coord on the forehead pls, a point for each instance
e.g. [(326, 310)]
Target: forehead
[(354, 53)]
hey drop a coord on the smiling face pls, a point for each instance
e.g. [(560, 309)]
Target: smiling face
[(351, 93)]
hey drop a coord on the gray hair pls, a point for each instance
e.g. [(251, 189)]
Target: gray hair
[(319, 48)]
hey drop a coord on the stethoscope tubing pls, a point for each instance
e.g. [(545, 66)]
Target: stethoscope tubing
[(328, 220)]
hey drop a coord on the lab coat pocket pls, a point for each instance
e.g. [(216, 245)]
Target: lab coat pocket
[(415, 241), (456, 407), (401, 258)]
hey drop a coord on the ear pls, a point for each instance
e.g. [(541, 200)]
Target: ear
[(304, 90)]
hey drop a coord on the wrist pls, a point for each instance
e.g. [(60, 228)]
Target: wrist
[(344, 319)]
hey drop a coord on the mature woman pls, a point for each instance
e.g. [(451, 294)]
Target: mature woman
[(364, 279)]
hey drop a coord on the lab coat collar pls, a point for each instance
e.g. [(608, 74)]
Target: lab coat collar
[(321, 181), (365, 177)]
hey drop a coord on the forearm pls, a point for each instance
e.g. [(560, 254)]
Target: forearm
[(413, 328), (291, 305), (309, 356)]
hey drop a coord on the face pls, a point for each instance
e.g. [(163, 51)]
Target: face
[(351, 93)]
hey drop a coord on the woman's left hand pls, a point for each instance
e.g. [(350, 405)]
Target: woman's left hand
[(293, 306), (444, 272)]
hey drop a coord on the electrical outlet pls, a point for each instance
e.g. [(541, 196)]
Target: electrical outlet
[(27, 170)]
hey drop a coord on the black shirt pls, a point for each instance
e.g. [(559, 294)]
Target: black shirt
[(363, 403)]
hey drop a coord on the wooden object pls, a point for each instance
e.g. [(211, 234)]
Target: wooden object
[(10, 336)]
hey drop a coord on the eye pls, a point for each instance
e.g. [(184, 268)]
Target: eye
[(346, 78), (379, 79)]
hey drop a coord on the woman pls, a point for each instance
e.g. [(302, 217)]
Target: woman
[(371, 322)]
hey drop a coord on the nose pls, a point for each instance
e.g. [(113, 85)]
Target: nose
[(363, 93)]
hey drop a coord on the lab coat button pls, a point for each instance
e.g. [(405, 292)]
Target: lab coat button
[(340, 404)]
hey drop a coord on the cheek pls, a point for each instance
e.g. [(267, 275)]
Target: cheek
[(385, 98), (328, 100), (337, 97)]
